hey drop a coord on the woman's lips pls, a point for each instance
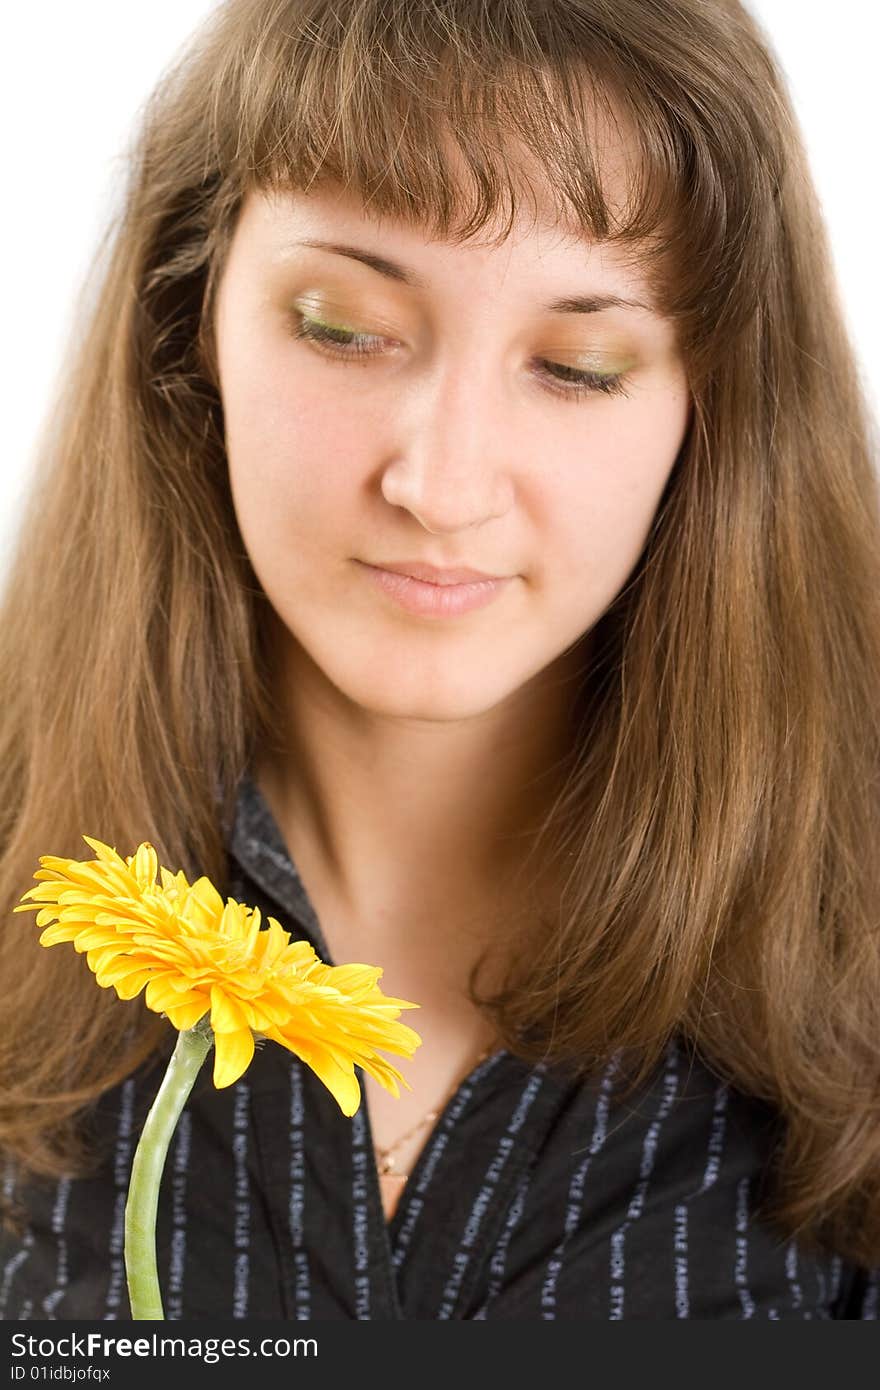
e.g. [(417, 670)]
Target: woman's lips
[(434, 600)]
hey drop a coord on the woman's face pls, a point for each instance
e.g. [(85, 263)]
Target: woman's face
[(466, 406)]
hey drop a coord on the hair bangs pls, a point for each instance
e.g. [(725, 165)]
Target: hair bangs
[(431, 126)]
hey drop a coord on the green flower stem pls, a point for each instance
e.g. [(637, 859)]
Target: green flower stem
[(192, 1048)]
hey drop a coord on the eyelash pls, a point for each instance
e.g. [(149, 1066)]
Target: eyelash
[(577, 384)]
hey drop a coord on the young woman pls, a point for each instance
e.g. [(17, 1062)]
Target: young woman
[(460, 538)]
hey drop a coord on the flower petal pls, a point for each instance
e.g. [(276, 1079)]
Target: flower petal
[(232, 1056), (164, 994), (52, 936), (130, 985), (340, 1081), (105, 853), (227, 1016), (204, 905), (186, 1015), (145, 865)]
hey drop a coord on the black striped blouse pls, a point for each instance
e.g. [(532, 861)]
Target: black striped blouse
[(535, 1197)]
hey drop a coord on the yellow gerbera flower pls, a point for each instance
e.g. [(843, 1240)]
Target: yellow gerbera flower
[(192, 955)]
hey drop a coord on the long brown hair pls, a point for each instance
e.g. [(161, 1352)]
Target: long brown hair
[(720, 824)]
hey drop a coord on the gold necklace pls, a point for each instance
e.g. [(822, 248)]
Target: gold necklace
[(391, 1181)]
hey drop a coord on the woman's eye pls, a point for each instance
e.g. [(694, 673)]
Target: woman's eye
[(342, 342), (571, 382), (345, 343)]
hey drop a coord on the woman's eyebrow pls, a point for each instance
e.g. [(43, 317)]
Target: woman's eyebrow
[(568, 304)]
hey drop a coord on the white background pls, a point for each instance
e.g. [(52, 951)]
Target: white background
[(76, 75)]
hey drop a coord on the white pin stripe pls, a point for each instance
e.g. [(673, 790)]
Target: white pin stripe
[(21, 1256), (616, 1292), (436, 1146), (242, 1201), (11, 1268), (59, 1222), (416, 1199), (575, 1200), (121, 1171), (791, 1274), (681, 1215), (462, 1258), (498, 1262), (360, 1221), (179, 1175), (825, 1295), (740, 1273), (296, 1202)]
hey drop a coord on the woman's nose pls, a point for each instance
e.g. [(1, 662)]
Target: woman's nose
[(452, 460)]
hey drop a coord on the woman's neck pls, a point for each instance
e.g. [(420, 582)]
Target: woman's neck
[(400, 821)]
